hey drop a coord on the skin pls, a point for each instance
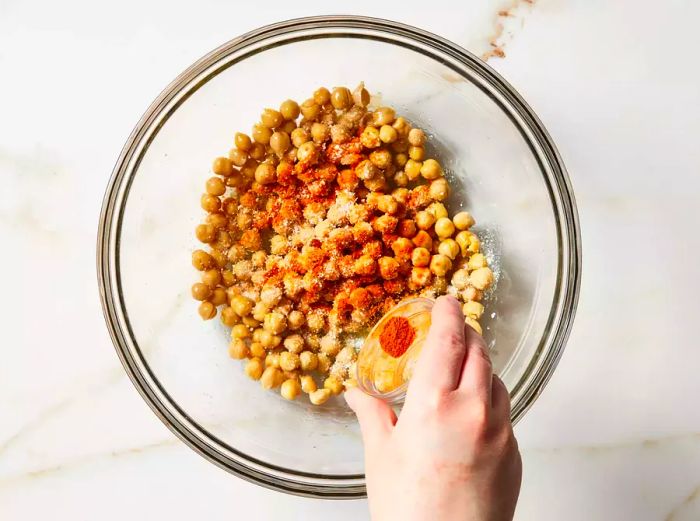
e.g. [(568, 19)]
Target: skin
[(452, 455)]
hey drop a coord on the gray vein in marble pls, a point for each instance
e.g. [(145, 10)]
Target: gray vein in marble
[(687, 503)]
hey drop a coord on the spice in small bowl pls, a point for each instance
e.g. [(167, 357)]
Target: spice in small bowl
[(387, 357)]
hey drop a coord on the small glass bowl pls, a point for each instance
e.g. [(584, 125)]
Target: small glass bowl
[(378, 373)]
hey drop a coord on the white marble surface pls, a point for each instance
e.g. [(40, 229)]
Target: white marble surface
[(616, 435)]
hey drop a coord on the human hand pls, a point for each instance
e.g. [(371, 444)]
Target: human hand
[(452, 455)]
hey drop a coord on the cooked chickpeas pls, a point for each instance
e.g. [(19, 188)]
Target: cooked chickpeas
[(271, 377), (333, 384), (440, 265), (444, 227), (473, 324), (207, 310), (290, 389), (344, 195), (416, 137), (463, 220), (320, 396), (241, 305), (341, 98), (271, 118), (289, 361), (308, 360), (481, 278), (439, 189), (200, 291), (261, 134), (308, 384), (289, 109), (238, 349)]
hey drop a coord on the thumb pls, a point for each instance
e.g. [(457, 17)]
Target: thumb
[(376, 418)]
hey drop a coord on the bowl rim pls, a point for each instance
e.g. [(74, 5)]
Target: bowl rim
[(568, 284)]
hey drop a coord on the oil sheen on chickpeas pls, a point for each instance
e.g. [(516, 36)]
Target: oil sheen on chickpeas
[(320, 220)]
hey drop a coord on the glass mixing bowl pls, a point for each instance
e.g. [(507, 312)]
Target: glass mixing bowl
[(501, 163)]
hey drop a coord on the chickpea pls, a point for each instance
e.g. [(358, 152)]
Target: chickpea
[(468, 242), (201, 260), (377, 184), (269, 297), (473, 309), (227, 278), (307, 152), (388, 134), (412, 169), (416, 137), (315, 321), (388, 268), (210, 203), (449, 248), (440, 265), (387, 204), (278, 245), (238, 349), (257, 350), (324, 362), (431, 169), (310, 109), (261, 134), (240, 331), (207, 310), (271, 378), (380, 158), (309, 360), (211, 278), (383, 116), (340, 134), (320, 396), (476, 261), (365, 265), (402, 247), (423, 240), (272, 360), (481, 278), (402, 126), (218, 297), (269, 339), (271, 118), (250, 322), (420, 257), (471, 293), (420, 276), (290, 389), (279, 143), (289, 361), (254, 368), (295, 320), (438, 210), (385, 223), (416, 153), (201, 291), (346, 356), (333, 384), (366, 170), (360, 95), (473, 324), (308, 384), (238, 157), (444, 227), (275, 322), (463, 220), (400, 160), (439, 189), (425, 220), (288, 126), (219, 258), (320, 132), (222, 166), (241, 305), (329, 345), (289, 109), (243, 269), (401, 179), (229, 317), (256, 152), (242, 141), (215, 186), (370, 137), (299, 137), (341, 98), (294, 344), (401, 195)]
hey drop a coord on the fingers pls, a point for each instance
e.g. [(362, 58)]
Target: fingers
[(439, 365), (500, 399), (477, 372), (376, 418)]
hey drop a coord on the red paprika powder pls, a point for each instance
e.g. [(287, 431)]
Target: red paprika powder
[(396, 336)]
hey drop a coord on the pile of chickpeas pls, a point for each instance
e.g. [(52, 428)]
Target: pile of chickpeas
[(316, 227)]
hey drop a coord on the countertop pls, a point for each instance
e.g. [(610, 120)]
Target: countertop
[(615, 435)]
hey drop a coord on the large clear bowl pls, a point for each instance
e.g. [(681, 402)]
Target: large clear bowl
[(504, 166)]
